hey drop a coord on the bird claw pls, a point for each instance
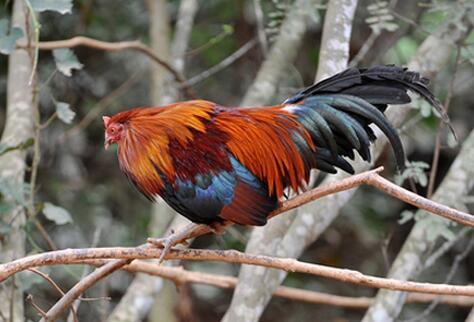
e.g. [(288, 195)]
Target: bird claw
[(164, 243), (178, 237)]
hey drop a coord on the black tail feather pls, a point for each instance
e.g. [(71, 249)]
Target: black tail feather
[(341, 108), (383, 85)]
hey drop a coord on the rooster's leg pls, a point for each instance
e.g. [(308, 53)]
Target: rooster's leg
[(189, 231)]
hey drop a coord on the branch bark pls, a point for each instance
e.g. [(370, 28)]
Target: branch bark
[(179, 276), (147, 251), (18, 129), (126, 254), (334, 55), (438, 48), (426, 232)]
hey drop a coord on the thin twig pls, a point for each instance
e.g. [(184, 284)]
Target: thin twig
[(437, 150), (410, 22), (441, 250), (117, 46), (452, 271), (222, 65), (101, 106), (41, 312), (36, 30), (75, 292), (364, 49), (262, 37), (57, 287), (419, 201), (75, 305)]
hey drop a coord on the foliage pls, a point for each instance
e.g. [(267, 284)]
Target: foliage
[(66, 61), (380, 18), (415, 170), (4, 148), (8, 39), (61, 6), (64, 112), (58, 215)]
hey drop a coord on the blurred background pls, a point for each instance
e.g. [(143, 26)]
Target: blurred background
[(78, 175)]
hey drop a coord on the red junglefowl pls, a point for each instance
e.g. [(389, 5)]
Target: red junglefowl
[(214, 164)]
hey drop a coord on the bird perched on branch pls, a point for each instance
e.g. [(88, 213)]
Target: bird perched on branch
[(214, 164)]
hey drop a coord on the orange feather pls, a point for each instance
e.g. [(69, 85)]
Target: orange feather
[(260, 138)]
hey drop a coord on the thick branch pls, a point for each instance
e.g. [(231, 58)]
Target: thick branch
[(146, 251), (74, 256), (426, 232), (181, 276), (370, 178)]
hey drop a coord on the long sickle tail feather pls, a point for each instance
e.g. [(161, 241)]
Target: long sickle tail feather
[(338, 111)]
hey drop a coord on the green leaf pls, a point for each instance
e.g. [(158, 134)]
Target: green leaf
[(65, 113), (66, 60), (228, 29), (4, 149), (58, 215), (8, 41), (415, 170), (61, 6)]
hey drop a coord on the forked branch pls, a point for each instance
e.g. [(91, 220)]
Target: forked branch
[(119, 257)]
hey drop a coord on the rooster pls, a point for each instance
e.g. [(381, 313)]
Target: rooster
[(216, 164)]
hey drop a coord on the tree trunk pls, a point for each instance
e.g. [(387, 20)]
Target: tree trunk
[(18, 129)]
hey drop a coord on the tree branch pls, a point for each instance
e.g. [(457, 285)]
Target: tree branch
[(75, 292), (181, 276), (371, 178), (147, 251), (426, 232), (229, 60), (127, 254), (117, 46)]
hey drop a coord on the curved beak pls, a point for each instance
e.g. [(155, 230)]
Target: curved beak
[(107, 142)]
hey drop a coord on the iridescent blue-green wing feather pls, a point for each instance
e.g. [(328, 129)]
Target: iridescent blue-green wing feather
[(234, 195)]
